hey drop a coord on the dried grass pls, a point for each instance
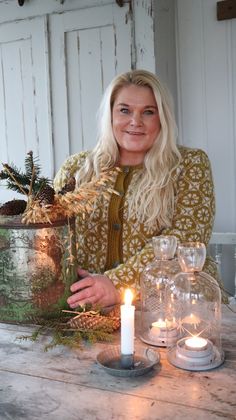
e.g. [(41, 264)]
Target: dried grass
[(70, 204)]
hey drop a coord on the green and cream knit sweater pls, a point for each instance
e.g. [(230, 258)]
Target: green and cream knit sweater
[(110, 242)]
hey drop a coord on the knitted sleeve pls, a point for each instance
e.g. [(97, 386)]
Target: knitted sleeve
[(194, 199), (68, 169), (192, 220)]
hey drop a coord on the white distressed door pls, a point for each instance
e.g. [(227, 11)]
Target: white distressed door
[(206, 52), (88, 48), (24, 94)]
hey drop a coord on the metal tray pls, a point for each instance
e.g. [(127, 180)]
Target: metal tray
[(145, 359)]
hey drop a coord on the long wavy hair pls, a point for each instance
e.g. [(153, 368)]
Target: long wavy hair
[(152, 198)]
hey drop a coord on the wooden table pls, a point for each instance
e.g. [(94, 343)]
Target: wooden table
[(65, 384)]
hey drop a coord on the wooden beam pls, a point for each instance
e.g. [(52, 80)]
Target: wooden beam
[(226, 9)]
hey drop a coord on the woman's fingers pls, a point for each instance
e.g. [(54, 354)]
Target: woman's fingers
[(80, 298), (82, 273), (81, 284), (94, 289)]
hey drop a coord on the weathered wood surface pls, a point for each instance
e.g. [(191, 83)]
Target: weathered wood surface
[(68, 384)]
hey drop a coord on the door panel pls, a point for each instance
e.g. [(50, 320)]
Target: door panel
[(87, 51), (24, 94)]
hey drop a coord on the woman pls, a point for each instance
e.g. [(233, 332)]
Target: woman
[(161, 189)]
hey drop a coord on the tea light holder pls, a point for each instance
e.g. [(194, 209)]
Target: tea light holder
[(156, 325), (197, 313)]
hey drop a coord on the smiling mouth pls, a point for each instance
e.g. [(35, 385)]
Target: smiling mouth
[(135, 133)]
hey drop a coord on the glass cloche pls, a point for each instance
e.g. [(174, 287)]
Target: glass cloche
[(155, 324), (195, 301)]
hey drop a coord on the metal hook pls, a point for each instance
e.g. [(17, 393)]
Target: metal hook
[(21, 2)]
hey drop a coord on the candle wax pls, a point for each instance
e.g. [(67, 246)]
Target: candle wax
[(159, 324), (127, 326), (196, 343)]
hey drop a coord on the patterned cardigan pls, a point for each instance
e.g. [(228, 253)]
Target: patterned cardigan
[(110, 242)]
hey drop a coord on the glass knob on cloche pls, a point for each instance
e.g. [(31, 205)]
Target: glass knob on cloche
[(195, 300), (154, 320)]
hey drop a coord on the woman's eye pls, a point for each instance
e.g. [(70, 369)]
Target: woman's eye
[(148, 112), (124, 110)]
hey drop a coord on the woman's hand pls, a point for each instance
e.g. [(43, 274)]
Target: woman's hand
[(94, 289)]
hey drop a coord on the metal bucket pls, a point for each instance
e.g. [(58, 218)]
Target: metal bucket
[(37, 267)]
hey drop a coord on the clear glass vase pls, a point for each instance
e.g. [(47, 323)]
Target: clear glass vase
[(37, 267), (155, 323), (195, 299)]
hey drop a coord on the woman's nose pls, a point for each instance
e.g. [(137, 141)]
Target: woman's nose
[(136, 119)]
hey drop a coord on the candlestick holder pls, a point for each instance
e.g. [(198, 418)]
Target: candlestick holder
[(127, 361), (141, 362), (156, 325), (195, 300)]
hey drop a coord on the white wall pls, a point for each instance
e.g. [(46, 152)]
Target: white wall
[(165, 46), (206, 69), (196, 57)]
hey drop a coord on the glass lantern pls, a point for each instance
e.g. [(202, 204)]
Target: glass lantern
[(195, 300), (156, 276)]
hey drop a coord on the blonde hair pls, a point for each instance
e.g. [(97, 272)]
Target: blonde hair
[(152, 198)]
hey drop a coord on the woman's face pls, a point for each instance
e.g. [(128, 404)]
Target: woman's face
[(135, 122)]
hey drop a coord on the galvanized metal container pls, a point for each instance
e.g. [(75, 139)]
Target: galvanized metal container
[(37, 267)]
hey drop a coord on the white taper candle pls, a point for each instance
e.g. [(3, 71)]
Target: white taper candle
[(127, 324)]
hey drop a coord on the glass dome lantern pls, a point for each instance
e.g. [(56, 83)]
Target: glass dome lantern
[(195, 299), (154, 279)]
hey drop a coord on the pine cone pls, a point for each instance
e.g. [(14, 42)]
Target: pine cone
[(68, 187), (13, 207), (96, 322), (46, 195)]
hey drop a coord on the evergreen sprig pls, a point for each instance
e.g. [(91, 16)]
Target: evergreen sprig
[(28, 182), (16, 180), (62, 334), (32, 165)]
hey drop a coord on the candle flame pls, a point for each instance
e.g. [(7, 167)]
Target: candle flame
[(128, 297)]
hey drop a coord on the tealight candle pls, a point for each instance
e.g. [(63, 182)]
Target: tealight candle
[(159, 324), (196, 343), (127, 325), (163, 332)]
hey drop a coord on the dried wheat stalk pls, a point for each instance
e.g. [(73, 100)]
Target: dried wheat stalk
[(70, 204)]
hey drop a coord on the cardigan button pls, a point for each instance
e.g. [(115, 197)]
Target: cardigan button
[(116, 226), (126, 169), (120, 193), (115, 264)]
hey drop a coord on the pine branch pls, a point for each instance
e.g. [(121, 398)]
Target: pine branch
[(73, 338), (10, 184), (32, 171), (32, 168), (13, 175), (15, 172), (32, 181), (28, 182), (3, 175), (13, 187), (62, 333)]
